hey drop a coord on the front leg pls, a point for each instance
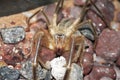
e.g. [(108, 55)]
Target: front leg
[(78, 56), (36, 44), (35, 51), (80, 51), (66, 77)]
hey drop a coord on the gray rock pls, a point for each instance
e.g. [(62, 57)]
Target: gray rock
[(26, 71), (12, 35), (9, 74), (76, 72)]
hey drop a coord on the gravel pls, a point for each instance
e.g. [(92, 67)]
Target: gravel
[(9, 74), (12, 35)]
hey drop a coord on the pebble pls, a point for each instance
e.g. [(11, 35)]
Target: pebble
[(12, 35), (87, 62), (107, 9), (108, 45), (96, 20), (101, 71), (76, 72), (118, 17), (87, 31), (75, 12), (118, 62), (58, 71), (26, 71), (9, 74), (115, 25), (79, 2), (117, 70)]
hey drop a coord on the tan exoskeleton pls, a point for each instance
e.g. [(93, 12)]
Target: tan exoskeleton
[(61, 36)]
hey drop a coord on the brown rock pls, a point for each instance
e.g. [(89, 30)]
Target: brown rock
[(101, 71), (97, 21), (118, 62), (107, 9), (46, 54), (118, 16), (108, 46), (88, 46), (87, 62), (79, 2)]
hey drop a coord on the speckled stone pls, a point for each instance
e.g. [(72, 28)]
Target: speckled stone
[(13, 34)]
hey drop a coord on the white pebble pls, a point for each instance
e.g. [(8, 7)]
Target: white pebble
[(58, 68)]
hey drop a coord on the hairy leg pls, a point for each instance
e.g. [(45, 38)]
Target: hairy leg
[(66, 77), (36, 44), (39, 11)]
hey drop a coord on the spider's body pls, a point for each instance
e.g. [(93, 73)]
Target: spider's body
[(61, 37)]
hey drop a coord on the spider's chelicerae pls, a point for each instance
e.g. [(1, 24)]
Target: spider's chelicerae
[(62, 37)]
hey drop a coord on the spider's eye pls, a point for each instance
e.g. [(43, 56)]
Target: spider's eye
[(59, 36)]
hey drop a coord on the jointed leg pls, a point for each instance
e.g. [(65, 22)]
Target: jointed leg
[(100, 14), (74, 26), (58, 7), (66, 77), (39, 11), (36, 45), (80, 52), (89, 25), (37, 37), (78, 57)]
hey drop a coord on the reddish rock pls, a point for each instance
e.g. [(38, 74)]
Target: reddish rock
[(107, 9), (108, 45), (118, 16), (40, 22), (50, 9), (81, 2), (75, 12), (97, 21), (12, 55), (89, 46), (46, 55), (87, 62), (86, 77), (66, 55), (117, 69), (66, 12), (101, 71), (118, 62)]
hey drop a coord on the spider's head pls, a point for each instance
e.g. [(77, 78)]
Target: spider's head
[(61, 32)]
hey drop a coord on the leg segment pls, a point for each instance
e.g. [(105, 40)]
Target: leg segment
[(88, 24), (78, 56), (74, 26), (80, 52), (66, 77), (100, 14), (58, 7), (37, 46), (39, 11)]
